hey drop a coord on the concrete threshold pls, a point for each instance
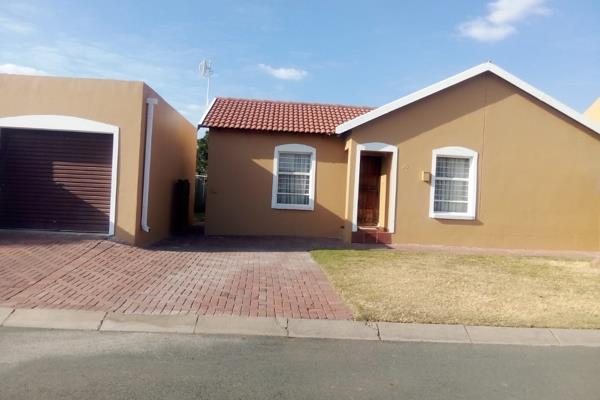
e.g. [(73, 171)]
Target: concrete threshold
[(295, 328)]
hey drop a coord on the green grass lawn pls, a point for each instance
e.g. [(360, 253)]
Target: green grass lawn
[(395, 286)]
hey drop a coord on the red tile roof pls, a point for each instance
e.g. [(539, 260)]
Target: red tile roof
[(280, 116)]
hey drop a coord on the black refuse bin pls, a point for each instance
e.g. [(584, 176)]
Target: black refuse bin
[(180, 207)]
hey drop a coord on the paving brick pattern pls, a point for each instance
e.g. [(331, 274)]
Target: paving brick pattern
[(243, 277), (25, 260)]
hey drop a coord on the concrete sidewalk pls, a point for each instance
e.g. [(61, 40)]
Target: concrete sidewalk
[(295, 328)]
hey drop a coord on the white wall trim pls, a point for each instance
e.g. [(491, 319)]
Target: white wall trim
[(151, 102), (383, 148), (294, 148), (113, 184), (205, 114), (459, 152), (57, 123), (74, 124), (461, 77)]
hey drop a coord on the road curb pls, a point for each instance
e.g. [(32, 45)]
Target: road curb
[(295, 328), (504, 335), (149, 323), (331, 329), (401, 332), (243, 326), (54, 319), (5, 313)]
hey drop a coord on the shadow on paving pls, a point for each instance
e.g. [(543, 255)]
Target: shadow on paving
[(194, 240), (40, 238)]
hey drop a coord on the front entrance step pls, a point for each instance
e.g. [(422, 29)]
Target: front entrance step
[(371, 235)]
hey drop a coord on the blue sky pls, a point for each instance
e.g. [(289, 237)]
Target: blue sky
[(348, 52)]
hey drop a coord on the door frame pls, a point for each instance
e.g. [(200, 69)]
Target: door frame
[(62, 123), (381, 148)]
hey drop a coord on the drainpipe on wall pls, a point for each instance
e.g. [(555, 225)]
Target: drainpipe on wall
[(147, 160)]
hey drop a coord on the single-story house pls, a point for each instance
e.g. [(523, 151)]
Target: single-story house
[(91, 155), (481, 159)]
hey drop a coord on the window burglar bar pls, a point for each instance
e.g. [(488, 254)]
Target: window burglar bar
[(294, 178), (451, 184)]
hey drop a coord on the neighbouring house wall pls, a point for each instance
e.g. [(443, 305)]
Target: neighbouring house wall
[(240, 178), (108, 101), (538, 172), (173, 158), (594, 111)]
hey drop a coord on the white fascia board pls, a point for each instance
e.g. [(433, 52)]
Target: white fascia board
[(205, 114), (461, 77)]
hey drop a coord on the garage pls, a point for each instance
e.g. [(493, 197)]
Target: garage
[(97, 156), (56, 180)]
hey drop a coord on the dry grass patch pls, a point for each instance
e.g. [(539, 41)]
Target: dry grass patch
[(388, 285)]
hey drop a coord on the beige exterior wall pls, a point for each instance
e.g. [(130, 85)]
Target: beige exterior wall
[(240, 178), (119, 103), (538, 172), (173, 158)]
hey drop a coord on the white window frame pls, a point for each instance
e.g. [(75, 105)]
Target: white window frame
[(456, 152), (300, 149)]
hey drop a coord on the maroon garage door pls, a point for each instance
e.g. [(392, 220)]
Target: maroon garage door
[(55, 180)]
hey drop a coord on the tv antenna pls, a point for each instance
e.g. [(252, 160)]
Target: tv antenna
[(206, 71)]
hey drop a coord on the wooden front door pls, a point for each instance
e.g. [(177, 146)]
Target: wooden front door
[(368, 190)]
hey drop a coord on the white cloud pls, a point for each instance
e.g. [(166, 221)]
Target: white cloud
[(130, 58), (19, 70), (70, 57), (194, 107), (193, 111), (15, 26), (482, 30), (286, 74), (500, 21)]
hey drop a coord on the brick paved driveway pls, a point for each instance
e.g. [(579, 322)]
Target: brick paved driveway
[(248, 277)]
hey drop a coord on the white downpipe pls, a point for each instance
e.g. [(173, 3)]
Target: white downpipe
[(147, 160)]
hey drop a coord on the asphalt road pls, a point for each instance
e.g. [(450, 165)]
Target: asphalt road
[(44, 364)]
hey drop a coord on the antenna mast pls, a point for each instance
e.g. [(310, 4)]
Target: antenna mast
[(206, 71)]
